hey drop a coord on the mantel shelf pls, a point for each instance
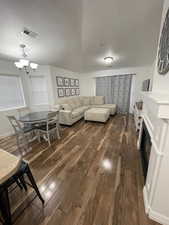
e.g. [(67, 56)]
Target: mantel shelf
[(159, 103)]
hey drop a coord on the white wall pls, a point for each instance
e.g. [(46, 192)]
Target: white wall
[(161, 82), (88, 82)]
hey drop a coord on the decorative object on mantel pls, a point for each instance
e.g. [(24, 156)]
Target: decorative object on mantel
[(24, 62), (67, 86), (163, 52), (137, 114)]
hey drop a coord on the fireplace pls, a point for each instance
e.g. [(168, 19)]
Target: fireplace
[(145, 149)]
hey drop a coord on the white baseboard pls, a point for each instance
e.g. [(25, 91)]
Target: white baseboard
[(158, 217), (146, 203), (151, 213)]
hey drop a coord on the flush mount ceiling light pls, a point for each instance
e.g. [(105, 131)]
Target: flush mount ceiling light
[(24, 62), (108, 60)]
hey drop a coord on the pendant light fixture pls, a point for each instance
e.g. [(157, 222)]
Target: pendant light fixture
[(24, 63)]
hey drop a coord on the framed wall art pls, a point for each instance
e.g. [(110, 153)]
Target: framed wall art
[(61, 92), (60, 81), (67, 86), (76, 82), (73, 91), (66, 82), (67, 92), (77, 91), (72, 82)]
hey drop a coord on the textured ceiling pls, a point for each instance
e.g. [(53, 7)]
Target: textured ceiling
[(78, 34)]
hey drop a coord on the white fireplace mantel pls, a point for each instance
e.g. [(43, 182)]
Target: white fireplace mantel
[(160, 103), (156, 191)]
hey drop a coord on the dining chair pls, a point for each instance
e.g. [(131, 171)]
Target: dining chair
[(13, 168), (23, 111), (50, 126), (21, 133)]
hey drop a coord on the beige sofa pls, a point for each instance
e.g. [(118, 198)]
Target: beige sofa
[(72, 109)]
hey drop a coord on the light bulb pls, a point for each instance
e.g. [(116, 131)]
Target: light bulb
[(34, 66), (18, 65), (24, 62)]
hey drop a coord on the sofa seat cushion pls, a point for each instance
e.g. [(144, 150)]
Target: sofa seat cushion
[(112, 107), (79, 111)]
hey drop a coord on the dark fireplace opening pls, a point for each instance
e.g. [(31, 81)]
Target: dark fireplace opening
[(145, 149)]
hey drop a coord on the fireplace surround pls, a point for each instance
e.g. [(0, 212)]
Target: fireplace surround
[(155, 126)]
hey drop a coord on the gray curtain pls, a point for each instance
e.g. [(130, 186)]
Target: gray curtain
[(116, 90)]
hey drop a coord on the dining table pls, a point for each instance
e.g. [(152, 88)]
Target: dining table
[(33, 120), (34, 117)]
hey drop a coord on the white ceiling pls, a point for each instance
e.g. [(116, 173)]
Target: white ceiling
[(78, 34)]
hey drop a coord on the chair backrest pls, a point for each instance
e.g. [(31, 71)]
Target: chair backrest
[(23, 111), (15, 124), (52, 118)]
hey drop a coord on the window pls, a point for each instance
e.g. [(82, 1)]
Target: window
[(11, 92), (39, 93)]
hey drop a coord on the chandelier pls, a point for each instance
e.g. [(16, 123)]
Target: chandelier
[(24, 63)]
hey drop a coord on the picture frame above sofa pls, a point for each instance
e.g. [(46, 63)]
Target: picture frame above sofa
[(77, 82), (67, 92), (72, 82), (61, 92), (77, 91), (67, 86), (59, 81), (73, 91), (66, 82)]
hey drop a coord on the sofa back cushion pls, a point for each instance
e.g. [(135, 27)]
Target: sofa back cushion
[(70, 103), (66, 107), (97, 100), (86, 100), (76, 102)]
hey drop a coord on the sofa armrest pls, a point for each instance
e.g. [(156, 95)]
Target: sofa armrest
[(65, 116), (55, 107)]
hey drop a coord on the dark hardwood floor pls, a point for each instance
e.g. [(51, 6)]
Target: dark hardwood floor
[(92, 176)]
